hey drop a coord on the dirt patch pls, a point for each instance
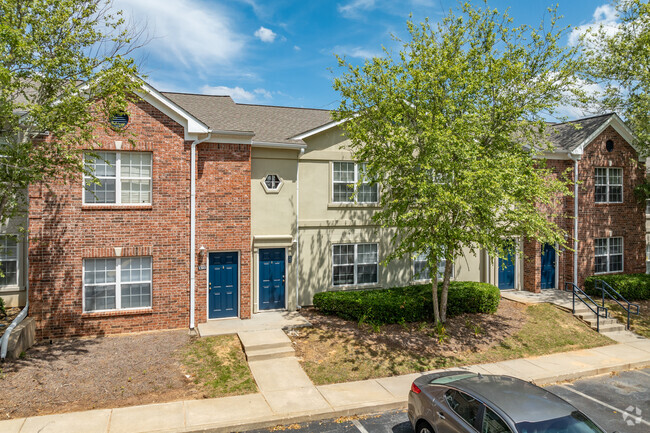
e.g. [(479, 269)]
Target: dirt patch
[(12, 312), (83, 374), (465, 332), (337, 350)]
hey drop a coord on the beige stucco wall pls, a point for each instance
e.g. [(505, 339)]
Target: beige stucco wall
[(273, 215), (16, 296)]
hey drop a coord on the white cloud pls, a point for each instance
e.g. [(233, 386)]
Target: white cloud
[(186, 31), (237, 93), (353, 8), (604, 17), (356, 52), (296, 48), (265, 35)]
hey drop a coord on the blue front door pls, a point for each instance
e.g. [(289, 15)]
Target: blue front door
[(272, 279), (548, 267), (507, 272), (222, 285)]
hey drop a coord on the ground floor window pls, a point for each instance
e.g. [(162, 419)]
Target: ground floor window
[(8, 261), (421, 268), (609, 255), (354, 264), (117, 284)]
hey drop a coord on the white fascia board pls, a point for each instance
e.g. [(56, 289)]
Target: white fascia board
[(230, 137), (191, 124), (273, 145), (318, 130), (562, 155), (619, 126)]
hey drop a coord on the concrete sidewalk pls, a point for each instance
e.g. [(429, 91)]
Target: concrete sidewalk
[(271, 408)]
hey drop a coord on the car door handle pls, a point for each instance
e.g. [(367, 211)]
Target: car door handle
[(441, 415)]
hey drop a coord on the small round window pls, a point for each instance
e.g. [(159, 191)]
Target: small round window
[(272, 181), (119, 121)]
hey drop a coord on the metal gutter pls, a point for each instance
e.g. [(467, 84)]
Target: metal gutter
[(575, 217)]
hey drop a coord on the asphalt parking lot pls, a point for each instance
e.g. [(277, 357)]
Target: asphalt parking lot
[(618, 402)]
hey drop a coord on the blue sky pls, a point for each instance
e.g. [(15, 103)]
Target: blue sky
[(282, 52)]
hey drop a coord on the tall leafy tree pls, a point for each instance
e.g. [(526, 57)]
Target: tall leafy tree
[(618, 56), (63, 65), (450, 127)]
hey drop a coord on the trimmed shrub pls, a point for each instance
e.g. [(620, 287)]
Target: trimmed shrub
[(407, 304), (3, 311), (633, 287)]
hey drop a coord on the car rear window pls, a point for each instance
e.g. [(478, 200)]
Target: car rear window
[(449, 379)]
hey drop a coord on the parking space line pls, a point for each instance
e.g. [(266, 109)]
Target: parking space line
[(602, 403), (358, 425)]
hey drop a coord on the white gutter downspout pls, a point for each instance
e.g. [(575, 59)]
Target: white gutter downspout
[(193, 225), (575, 217), (302, 151), (4, 341)]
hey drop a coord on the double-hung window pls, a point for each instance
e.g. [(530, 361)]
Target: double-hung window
[(117, 284), (609, 185), (354, 264), (124, 178), (349, 184), (609, 255), (421, 268), (8, 261)]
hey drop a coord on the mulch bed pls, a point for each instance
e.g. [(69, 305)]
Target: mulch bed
[(82, 374), (466, 332)]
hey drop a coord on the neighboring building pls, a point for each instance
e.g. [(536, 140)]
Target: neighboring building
[(273, 221)]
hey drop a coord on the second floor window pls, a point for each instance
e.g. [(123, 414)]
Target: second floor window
[(609, 185), (124, 178), (345, 184)]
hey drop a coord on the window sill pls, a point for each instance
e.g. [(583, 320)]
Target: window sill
[(608, 273), (114, 313), (85, 207), (357, 287), (608, 203), (11, 288), (353, 205)]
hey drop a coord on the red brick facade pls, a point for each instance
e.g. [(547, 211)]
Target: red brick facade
[(596, 220), (63, 232)]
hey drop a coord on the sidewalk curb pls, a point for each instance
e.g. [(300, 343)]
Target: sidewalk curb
[(396, 405)]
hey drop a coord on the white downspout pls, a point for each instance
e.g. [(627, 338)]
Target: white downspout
[(193, 225), (4, 341), (302, 151), (575, 218)]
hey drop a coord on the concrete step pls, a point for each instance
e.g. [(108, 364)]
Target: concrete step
[(264, 340), (615, 327), (266, 354), (592, 321)]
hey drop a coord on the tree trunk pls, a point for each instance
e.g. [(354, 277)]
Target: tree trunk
[(434, 293), (449, 265)]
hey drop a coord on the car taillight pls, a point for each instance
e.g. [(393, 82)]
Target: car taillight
[(415, 388)]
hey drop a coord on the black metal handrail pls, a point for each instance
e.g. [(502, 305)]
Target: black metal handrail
[(605, 288), (577, 292)]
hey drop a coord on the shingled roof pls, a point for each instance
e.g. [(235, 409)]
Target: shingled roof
[(569, 135), (268, 123)]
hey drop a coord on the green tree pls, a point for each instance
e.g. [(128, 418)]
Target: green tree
[(450, 127), (63, 65), (618, 56)]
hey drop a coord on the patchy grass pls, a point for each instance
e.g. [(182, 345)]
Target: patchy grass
[(332, 354), (639, 324), (218, 366)]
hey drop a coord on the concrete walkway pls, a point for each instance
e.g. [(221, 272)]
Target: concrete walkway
[(257, 322), (290, 397)]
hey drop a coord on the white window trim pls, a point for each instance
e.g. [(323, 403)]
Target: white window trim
[(19, 254), (416, 279), (118, 181), (118, 286), (356, 264), (608, 256), (607, 185), (356, 182), (266, 187)]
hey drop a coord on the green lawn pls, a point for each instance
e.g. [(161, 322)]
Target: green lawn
[(218, 366), (639, 324)]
